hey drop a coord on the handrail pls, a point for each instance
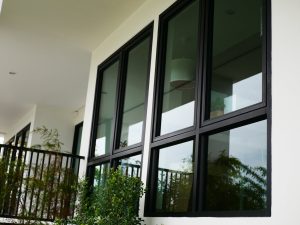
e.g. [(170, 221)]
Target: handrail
[(41, 151)]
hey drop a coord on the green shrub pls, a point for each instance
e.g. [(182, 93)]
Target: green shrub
[(114, 202)]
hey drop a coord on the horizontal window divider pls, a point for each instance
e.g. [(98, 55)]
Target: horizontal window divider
[(98, 160), (164, 214), (127, 153), (176, 133), (234, 113), (241, 120), (174, 139), (247, 213), (242, 213), (138, 145)]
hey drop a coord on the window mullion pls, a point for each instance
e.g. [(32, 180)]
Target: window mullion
[(119, 101)]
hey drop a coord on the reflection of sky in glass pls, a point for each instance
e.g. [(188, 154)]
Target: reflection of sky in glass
[(177, 157), (134, 133), (178, 118), (244, 93), (247, 143), (100, 146)]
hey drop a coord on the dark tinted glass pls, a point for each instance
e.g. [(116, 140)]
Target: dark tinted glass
[(237, 169), (135, 94), (107, 109), (131, 166), (180, 70), (175, 178), (100, 174), (236, 69)]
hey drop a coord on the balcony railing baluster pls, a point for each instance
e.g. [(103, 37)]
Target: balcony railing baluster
[(33, 181)]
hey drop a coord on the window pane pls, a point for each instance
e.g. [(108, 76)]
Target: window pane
[(100, 174), (131, 166), (175, 178), (134, 102), (236, 73), (237, 169), (26, 137), (107, 109), (180, 71)]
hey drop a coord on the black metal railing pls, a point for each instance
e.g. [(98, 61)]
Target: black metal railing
[(37, 184)]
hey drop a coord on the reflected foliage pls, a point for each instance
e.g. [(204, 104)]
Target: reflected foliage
[(174, 187), (174, 190), (232, 185)]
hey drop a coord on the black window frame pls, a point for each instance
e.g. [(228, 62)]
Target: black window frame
[(11, 141), (202, 126), (76, 138), (117, 152), (22, 134)]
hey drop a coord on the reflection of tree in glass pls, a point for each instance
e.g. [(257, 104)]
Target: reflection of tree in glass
[(232, 185), (100, 175), (174, 187)]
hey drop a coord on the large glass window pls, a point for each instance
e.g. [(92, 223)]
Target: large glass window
[(210, 146), (237, 169), (133, 114), (236, 68), (179, 73), (106, 110), (174, 178), (119, 111)]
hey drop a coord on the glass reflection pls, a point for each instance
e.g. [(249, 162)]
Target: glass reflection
[(131, 166), (107, 109), (236, 72), (100, 174), (237, 169), (175, 178), (180, 71), (135, 94)]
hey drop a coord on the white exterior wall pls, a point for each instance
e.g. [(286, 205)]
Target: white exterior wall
[(53, 118), (28, 118), (285, 109)]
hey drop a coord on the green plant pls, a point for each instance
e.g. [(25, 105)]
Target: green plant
[(50, 139), (49, 190), (114, 202)]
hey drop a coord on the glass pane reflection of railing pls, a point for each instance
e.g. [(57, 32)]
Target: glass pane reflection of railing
[(173, 190)]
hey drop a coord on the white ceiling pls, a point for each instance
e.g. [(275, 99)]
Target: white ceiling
[(48, 44)]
